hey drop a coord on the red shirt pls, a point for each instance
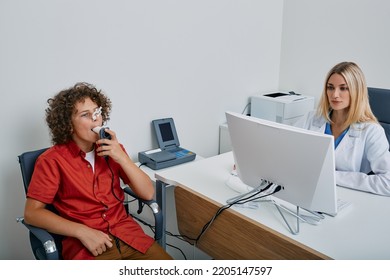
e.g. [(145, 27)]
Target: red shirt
[(63, 177)]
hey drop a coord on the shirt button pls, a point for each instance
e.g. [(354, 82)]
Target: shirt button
[(89, 166), (104, 216)]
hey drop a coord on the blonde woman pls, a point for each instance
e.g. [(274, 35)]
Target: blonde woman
[(361, 147)]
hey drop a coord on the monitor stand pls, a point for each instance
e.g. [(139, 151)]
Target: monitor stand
[(313, 219)]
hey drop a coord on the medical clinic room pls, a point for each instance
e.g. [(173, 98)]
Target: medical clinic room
[(195, 130)]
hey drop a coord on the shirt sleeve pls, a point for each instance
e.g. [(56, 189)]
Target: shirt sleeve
[(377, 154), (45, 180)]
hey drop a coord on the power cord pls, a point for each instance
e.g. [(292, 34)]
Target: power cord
[(243, 111), (152, 228), (112, 186), (239, 201)]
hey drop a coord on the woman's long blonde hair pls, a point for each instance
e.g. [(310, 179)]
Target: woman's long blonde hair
[(359, 108)]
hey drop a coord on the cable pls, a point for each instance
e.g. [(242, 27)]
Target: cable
[(239, 201), (112, 186), (180, 237), (243, 111), (180, 250), (184, 238)]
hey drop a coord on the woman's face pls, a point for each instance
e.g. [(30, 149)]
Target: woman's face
[(84, 119), (338, 92)]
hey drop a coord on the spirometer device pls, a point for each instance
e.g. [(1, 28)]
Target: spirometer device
[(169, 152)]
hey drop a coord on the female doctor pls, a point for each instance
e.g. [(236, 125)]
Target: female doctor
[(361, 146)]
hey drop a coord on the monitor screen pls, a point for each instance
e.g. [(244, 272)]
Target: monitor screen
[(166, 133), (299, 160)]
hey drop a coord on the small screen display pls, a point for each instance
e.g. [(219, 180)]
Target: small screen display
[(166, 132)]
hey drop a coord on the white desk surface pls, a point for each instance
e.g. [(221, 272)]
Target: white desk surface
[(360, 231)]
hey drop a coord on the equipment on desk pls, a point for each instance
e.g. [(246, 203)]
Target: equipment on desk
[(101, 131), (281, 107), (301, 161), (169, 152)]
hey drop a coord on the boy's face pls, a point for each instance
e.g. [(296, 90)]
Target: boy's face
[(85, 117)]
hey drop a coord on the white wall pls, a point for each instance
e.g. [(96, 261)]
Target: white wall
[(319, 34), (191, 60)]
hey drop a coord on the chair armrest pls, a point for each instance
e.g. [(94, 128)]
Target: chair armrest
[(158, 216), (45, 238)]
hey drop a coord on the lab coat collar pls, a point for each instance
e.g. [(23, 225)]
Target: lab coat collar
[(319, 121), (354, 131)]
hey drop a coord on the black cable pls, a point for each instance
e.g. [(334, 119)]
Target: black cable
[(112, 186), (243, 111), (181, 237), (180, 250), (152, 228), (240, 201)]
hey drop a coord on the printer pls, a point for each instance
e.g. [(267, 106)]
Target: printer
[(281, 107)]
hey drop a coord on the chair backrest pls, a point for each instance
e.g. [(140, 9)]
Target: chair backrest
[(380, 104), (27, 163)]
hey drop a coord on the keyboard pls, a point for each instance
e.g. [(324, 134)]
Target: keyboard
[(182, 153), (179, 152)]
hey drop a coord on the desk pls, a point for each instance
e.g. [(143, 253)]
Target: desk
[(360, 231)]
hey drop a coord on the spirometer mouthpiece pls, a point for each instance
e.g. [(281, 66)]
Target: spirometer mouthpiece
[(96, 129), (100, 130)]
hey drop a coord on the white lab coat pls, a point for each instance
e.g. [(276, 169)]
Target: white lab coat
[(363, 149)]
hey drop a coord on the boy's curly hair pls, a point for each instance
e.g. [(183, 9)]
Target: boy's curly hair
[(62, 105)]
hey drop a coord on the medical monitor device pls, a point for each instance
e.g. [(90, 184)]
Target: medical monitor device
[(169, 152), (299, 160)]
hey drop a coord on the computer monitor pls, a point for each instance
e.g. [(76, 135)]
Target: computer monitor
[(299, 160)]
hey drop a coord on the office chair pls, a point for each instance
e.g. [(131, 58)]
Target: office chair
[(379, 99), (47, 246)]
